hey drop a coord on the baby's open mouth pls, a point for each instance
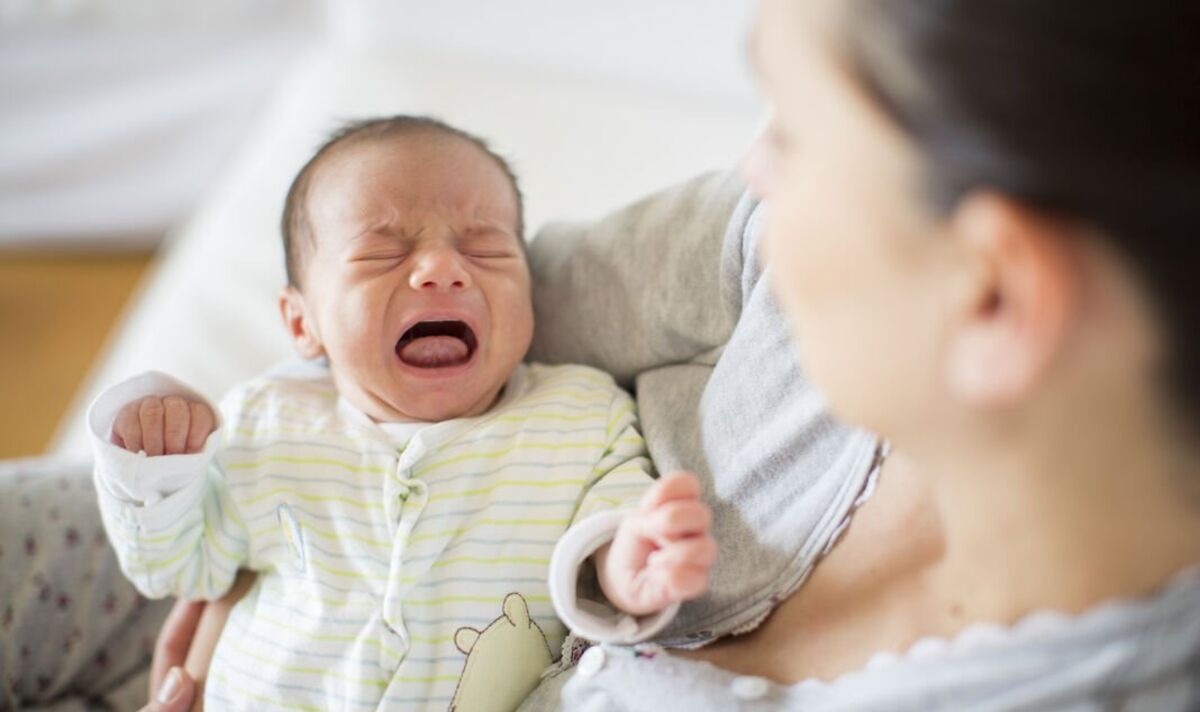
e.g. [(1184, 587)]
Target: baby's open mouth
[(437, 344)]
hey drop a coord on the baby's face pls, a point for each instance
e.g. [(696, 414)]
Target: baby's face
[(416, 287)]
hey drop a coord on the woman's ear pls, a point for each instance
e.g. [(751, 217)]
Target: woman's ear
[(1012, 320), (299, 324)]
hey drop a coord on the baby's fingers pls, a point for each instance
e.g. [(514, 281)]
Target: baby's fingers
[(203, 423), (177, 417), (696, 551), (678, 519), (680, 583), (150, 416), (676, 486), (127, 428)]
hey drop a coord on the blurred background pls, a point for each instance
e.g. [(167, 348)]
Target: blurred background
[(145, 149)]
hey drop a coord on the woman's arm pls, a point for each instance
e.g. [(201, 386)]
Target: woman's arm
[(188, 639), (641, 287)]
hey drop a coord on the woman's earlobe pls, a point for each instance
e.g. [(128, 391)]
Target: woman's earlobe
[(300, 327), (1015, 321)]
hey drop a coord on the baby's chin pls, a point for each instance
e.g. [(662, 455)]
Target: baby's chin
[(424, 404)]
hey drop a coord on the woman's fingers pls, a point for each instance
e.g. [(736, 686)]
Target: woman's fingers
[(174, 640), (175, 695)]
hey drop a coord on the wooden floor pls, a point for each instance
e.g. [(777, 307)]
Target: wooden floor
[(56, 312)]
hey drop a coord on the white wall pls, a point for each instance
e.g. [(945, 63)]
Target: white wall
[(117, 114)]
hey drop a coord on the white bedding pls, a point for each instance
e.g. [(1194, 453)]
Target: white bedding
[(581, 147)]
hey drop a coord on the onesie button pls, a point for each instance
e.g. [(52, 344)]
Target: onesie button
[(750, 688), (593, 659)]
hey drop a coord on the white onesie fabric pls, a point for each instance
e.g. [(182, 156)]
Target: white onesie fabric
[(402, 566)]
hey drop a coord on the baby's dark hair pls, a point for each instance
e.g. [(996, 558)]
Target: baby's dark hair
[(295, 227)]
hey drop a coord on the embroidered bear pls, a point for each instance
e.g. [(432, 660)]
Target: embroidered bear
[(504, 662)]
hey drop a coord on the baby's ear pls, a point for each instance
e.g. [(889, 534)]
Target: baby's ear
[(299, 324)]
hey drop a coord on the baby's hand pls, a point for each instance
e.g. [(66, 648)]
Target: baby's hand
[(163, 426), (662, 552)]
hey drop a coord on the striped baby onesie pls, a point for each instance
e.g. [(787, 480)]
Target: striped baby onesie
[(401, 567)]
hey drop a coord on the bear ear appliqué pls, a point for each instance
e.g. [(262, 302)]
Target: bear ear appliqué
[(516, 610), (464, 639)]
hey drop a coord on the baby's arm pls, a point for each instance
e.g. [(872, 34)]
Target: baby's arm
[(648, 542), (662, 551), (164, 502)]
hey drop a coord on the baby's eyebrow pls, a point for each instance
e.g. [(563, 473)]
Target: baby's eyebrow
[(387, 229)]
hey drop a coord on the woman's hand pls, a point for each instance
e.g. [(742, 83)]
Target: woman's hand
[(185, 649), (172, 689), (662, 552)]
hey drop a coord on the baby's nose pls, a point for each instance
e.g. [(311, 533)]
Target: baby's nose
[(439, 269)]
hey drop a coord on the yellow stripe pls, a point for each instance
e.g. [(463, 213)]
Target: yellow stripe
[(210, 535), (364, 601), (159, 565), (505, 483), (324, 637), (267, 433), (347, 573), (469, 599), (600, 396), (305, 461), (243, 692), (516, 560), (624, 411), (489, 522), (495, 454), (296, 670), (485, 560), (545, 415), (259, 535), (431, 640), (314, 498)]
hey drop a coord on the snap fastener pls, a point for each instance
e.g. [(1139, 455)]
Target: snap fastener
[(592, 661), (749, 687)]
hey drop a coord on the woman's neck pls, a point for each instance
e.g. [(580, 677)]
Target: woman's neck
[(1070, 518)]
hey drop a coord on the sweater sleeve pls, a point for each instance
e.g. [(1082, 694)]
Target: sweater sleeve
[(640, 288)]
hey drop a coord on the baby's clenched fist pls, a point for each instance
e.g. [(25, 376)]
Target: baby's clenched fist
[(172, 425)]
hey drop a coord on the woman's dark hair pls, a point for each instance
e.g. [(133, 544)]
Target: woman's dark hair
[(1090, 110)]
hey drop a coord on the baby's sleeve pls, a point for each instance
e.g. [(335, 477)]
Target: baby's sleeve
[(617, 483), (170, 518), (624, 471)]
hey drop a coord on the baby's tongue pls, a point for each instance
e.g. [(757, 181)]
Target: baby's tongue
[(434, 352)]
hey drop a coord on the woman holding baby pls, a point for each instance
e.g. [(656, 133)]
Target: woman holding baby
[(979, 220)]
